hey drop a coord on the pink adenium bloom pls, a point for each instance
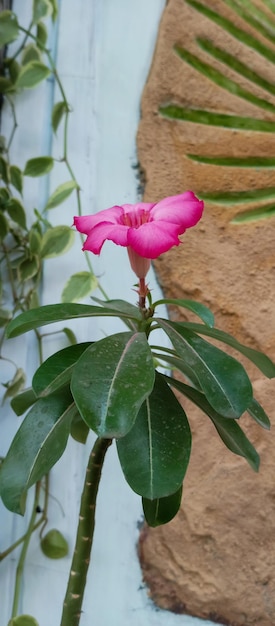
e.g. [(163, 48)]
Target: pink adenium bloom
[(146, 229)]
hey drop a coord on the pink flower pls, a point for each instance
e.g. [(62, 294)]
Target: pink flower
[(146, 229)]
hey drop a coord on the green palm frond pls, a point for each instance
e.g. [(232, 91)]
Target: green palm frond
[(263, 23)]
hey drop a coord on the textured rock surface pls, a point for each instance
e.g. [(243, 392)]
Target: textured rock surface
[(217, 558)]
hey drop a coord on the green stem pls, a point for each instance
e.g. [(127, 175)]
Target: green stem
[(21, 562), (81, 558)]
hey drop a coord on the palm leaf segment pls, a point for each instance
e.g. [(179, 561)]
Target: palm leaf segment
[(261, 201)]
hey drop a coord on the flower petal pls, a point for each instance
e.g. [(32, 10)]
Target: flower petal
[(139, 206), (96, 237), (152, 239), (184, 210), (85, 223)]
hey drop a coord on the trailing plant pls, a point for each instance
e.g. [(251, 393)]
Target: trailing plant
[(28, 239)]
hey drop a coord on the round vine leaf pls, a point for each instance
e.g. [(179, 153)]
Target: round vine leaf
[(60, 194), (8, 27), (54, 545), (56, 240), (23, 620), (16, 178), (31, 74), (79, 286), (59, 110), (38, 166)]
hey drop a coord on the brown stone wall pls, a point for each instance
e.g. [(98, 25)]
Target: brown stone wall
[(217, 558)]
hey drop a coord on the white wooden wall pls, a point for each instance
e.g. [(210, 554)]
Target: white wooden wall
[(103, 50)]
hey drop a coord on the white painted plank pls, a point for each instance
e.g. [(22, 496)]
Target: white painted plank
[(104, 50)]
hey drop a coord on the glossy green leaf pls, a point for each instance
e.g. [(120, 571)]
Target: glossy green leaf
[(249, 161), (60, 194), (16, 177), (54, 545), (23, 620), (196, 307), (23, 401), (110, 382), (154, 455), (229, 430), (121, 306), (179, 364), (40, 10), (8, 27), (38, 444), (265, 365), (79, 286), (58, 112), (257, 412), (39, 166), (56, 371), (162, 510), (79, 430), (30, 53), (56, 240), (17, 213), (222, 378), (31, 74), (56, 313)]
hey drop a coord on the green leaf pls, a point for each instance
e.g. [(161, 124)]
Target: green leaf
[(78, 286), (162, 510), (23, 401), (14, 386), (54, 4), (54, 545), (56, 240), (79, 430), (4, 170), (110, 382), (23, 620), (70, 335), (196, 307), (121, 306), (30, 53), (35, 241), (249, 161), (16, 178), (257, 412), (16, 212), (8, 27), (40, 10), (39, 166), (28, 268), (264, 364), (41, 35), (222, 378), (60, 194), (56, 371), (229, 431), (59, 110), (5, 316), (154, 455), (31, 74), (38, 444), (5, 84), (13, 68), (57, 313), (4, 227)]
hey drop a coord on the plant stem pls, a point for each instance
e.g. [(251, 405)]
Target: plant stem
[(81, 558), (21, 562)]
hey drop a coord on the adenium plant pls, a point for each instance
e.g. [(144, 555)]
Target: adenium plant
[(120, 388)]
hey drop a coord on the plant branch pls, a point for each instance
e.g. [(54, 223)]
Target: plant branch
[(84, 539)]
